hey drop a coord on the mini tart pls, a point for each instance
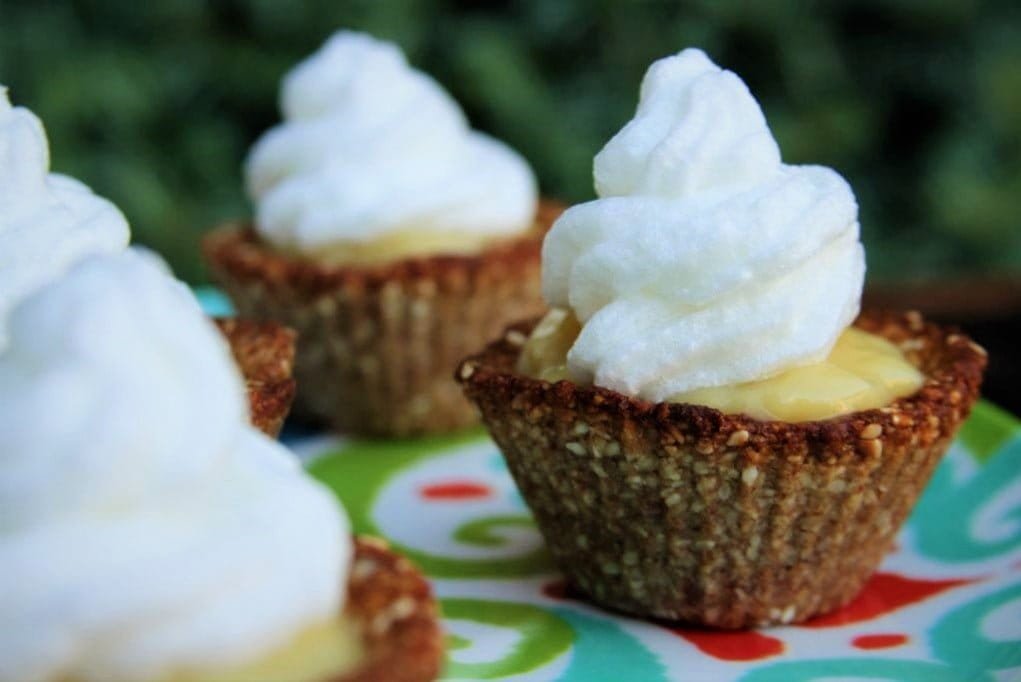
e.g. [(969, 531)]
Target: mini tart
[(378, 342), (392, 602), (682, 512), (264, 351)]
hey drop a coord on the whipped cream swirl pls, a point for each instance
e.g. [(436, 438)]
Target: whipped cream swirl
[(706, 261), (370, 147), (48, 221), (147, 529)]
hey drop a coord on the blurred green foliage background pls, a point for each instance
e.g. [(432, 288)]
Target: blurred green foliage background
[(918, 103)]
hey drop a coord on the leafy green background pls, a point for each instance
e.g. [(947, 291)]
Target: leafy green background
[(918, 103)]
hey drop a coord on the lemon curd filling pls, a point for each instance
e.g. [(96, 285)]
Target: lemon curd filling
[(399, 245), (544, 355), (319, 653), (863, 371)]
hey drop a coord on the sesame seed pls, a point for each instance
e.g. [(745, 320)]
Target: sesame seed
[(466, 371), (362, 569), (402, 608), (837, 486), (575, 447), (326, 306), (419, 309), (515, 338), (871, 431), (739, 437), (749, 475), (914, 319)]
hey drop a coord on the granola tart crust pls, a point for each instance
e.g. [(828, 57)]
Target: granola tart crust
[(237, 248), (378, 342), (682, 512), (394, 604), (264, 352)]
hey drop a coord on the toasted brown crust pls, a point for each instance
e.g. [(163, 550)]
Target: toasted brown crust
[(378, 342), (264, 351), (397, 613), (683, 512)]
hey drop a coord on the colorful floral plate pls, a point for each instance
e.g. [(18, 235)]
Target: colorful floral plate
[(945, 605)]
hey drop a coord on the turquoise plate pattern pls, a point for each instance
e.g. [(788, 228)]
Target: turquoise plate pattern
[(945, 604)]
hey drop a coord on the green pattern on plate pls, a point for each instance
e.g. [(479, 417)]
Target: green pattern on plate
[(508, 619), (542, 636), (988, 430), (358, 472)]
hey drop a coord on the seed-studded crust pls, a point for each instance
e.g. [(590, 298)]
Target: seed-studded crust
[(264, 351), (395, 609), (378, 342), (682, 512)]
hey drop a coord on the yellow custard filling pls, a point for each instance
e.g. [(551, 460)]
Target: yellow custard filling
[(319, 653), (400, 245), (544, 355), (862, 372)]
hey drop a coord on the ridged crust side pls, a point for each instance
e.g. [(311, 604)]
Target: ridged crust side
[(264, 351), (682, 512), (394, 606), (377, 343)]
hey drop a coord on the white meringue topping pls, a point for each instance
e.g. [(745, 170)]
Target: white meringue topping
[(371, 147), (147, 528), (706, 261), (48, 221)]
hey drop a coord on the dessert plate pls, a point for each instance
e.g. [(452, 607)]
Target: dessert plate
[(945, 605)]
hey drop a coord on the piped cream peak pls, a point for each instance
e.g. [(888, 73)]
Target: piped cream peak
[(147, 528), (370, 147), (706, 261), (48, 221)]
